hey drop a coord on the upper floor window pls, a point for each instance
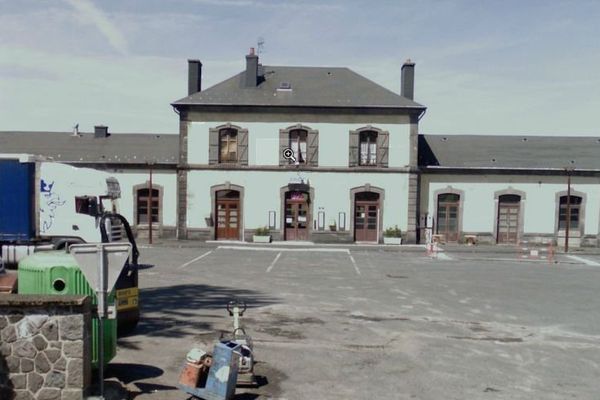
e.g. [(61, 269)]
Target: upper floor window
[(298, 139), (369, 146), (303, 141), (228, 144)]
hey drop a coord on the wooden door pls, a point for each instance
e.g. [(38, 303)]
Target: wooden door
[(508, 222), (448, 216), (228, 216), (365, 221), (297, 216)]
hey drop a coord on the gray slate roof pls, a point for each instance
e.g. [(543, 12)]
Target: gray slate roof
[(311, 86), (529, 152), (123, 148)]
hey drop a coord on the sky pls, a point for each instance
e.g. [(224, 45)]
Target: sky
[(522, 67)]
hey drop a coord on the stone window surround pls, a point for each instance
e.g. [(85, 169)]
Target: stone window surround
[(576, 193), (213, 204), (240, 131), (357, 132), (521, 221), (309, 154), (367, 187), (461, 201)]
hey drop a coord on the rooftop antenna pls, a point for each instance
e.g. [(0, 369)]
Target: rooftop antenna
[(260, 45)]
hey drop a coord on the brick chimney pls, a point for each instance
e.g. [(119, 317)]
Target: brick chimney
[(407, 84), (101, 131), (251, 69), (194, 76)]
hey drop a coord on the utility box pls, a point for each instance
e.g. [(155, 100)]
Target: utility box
[(56, 272)]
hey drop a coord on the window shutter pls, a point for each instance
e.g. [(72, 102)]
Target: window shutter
[(313, 148), (284, 143), (353, 149), (383, 146), (243, 146), (213, 146)]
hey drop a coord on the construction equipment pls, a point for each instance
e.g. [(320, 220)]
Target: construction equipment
[(246, 377), (211, 377)]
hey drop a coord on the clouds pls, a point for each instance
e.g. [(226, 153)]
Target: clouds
[(90, 13)]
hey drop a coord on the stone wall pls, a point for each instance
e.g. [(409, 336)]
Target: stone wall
[(44, 347)]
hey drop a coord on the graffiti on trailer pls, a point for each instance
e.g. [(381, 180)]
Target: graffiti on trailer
[(50, 201)]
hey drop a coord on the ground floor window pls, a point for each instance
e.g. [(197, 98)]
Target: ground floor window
[(448, 216), (574, 211), (145, 202)]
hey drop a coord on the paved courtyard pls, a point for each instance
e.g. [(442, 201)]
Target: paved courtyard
[(373, 323)]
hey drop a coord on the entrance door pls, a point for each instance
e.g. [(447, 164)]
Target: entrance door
[(228, 215), (509, 206), (366, 213), (447, 216), (297, 216)]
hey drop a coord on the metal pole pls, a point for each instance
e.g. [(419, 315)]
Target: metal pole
[(568, 212), (101, 293), (150, 208)]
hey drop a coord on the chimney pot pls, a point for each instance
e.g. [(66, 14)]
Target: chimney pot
[(407, 84), (251, 51), (194, 76)]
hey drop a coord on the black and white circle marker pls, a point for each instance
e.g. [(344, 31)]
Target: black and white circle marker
[(288, 154)]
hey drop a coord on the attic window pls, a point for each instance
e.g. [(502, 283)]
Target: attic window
[(285, 86)]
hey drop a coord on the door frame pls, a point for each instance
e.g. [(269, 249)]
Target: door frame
[(461, 202), (311, 200), (367, 188), (521, 221), (213, 206)]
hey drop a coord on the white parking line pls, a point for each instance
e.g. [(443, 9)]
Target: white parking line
[(274, 261), (354, 263), (194, 260), (584, 260), (444, 256), (283, 249)]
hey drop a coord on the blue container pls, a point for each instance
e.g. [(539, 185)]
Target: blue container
[(17, 199)]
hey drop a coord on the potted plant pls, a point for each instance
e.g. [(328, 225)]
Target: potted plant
[(392, 235), (261, 235), (333, 226)]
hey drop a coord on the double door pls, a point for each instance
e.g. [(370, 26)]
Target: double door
[(447, 220), (365, 221), (508, 223), (296, 218), (228, 219)]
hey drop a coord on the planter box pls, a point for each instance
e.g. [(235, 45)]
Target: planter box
[(261, 239), (392, 240)]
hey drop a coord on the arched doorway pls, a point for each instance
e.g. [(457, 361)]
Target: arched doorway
[(366, 216), (448, 216), (228, 215), (509, 208), (297, 215)]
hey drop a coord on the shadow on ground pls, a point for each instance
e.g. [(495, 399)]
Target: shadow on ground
[(181, 310)]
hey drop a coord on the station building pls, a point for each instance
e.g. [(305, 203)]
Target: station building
[(325, 155)]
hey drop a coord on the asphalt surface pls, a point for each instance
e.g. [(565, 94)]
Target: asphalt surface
[(373, 323)]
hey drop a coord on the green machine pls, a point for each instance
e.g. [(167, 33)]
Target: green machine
[(56, 272)]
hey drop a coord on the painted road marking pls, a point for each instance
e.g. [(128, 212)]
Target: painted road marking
[(194, 260), (283, 249), (584, 260), (354, 263), (444, 256), (274, 261)]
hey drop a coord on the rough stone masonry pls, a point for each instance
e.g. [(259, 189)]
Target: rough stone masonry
[(44, 347)]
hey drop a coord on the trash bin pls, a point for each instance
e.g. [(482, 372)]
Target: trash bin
[(56, 272)]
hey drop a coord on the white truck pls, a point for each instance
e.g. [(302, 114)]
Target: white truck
[(48, 205)]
